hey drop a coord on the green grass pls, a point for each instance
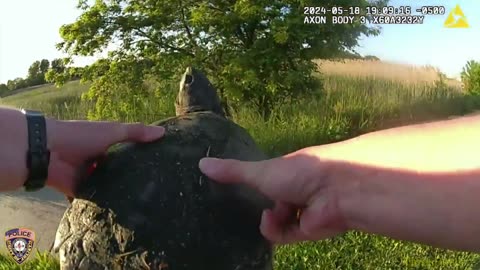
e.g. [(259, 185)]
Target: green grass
[(348, 107), (42, 261), (60, 103)]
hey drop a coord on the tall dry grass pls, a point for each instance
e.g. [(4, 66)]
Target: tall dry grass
[(385, 70)]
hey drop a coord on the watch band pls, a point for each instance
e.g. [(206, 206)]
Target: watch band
[(38, 156)]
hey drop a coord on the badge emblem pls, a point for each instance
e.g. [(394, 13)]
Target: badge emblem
[(20, 242)]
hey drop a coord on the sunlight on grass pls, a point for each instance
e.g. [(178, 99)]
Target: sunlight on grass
[(406, 74), (347, 107)]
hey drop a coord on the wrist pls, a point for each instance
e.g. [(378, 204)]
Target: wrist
[(341, 180), (38, 154), (360, 190)]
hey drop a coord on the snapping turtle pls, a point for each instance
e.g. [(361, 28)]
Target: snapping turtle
[(148, 206)]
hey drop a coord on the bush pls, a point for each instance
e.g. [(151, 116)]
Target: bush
[(471, 77), (371, 58)]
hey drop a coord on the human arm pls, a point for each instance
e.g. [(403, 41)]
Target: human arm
[(419, 183), (71, 143)]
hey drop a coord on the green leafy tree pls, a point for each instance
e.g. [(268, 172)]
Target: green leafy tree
[(59, 73), (58, 78), (34, 69), (471, 77), (35, 74), (18, 83), (58, 65), (256, 51), (21, 83), (75, 73), (3, 89), (11, 85), (44, 65)]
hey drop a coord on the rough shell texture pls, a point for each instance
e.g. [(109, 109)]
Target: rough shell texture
[(148, 206)]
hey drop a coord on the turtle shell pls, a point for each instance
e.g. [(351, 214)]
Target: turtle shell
[(148, 206)]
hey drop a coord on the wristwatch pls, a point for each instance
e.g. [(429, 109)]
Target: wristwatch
[(38, 155)]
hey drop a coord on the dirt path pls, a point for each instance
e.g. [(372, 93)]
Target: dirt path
[(39, 211)]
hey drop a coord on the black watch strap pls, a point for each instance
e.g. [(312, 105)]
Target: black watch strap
[(38, 155)]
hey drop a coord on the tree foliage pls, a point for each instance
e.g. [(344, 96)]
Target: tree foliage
[(44, 65), (58, 65), (36, 73), (255, 51), (17, 83), (40, 72), (471, 77), (58, 73), (371, 58), (35, 76), (3, 89)]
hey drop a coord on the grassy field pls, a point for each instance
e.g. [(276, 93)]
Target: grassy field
[(406, 74), (352, 103)]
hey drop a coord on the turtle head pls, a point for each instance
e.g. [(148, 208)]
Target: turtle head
[(197, 94)]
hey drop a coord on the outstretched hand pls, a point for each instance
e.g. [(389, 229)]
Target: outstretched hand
[(305, 199), (72, 143)]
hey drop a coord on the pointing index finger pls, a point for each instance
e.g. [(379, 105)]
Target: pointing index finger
[(291, 178), (233, 171)]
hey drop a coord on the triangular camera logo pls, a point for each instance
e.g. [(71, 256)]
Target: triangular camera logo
[(456, 19)]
